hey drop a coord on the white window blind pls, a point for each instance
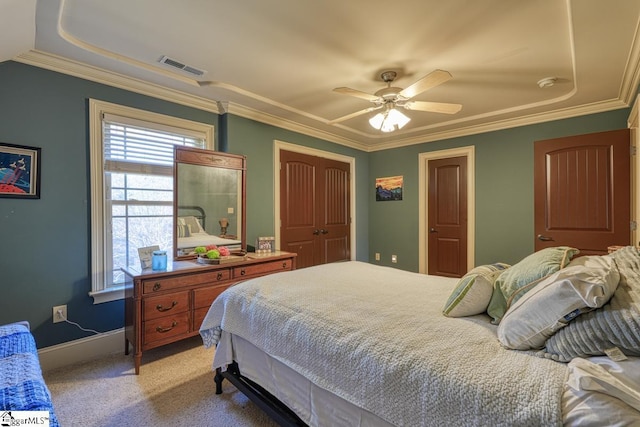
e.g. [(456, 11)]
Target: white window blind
[(132, 145), (132, 183)]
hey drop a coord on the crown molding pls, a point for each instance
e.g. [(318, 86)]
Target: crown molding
[(66, 66), (87, 72), (567, 113), (77, 69), (253, 114)]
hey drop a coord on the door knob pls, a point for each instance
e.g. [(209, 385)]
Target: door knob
[(433, 230), (316, 232), (544, 238), (323, 231)]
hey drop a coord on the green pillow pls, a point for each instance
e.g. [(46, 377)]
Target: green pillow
[(523, 276), (472, 293)]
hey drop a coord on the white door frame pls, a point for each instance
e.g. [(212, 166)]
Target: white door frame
[(423, 187), (286, 146)]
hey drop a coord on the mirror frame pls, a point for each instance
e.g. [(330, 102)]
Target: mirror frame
[(214, 159)]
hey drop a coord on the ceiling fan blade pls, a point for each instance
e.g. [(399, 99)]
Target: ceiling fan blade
[(352, 115), (356, 93), (434, 107), (429, 81)]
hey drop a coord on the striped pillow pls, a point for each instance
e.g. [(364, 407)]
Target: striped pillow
[(614, 325), (523, 276), (184, 230)]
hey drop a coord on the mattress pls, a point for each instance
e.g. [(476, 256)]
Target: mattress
[(376, 337), (398, 361), (598, 392)]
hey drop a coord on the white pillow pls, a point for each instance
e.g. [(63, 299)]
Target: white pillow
[(588, 282), (192, 222)]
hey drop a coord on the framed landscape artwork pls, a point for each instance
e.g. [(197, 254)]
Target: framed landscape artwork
[(19, 171), (389, 188)]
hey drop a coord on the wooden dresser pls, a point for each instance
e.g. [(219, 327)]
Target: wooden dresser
[(162, 307)]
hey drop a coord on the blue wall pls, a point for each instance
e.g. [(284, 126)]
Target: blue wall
[(45, 250), (504, 190)]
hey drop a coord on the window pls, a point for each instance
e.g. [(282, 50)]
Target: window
[(132, 187)]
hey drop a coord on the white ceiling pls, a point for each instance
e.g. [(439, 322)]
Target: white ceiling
[(277, 61)]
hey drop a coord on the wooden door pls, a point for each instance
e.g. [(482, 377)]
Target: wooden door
[(447, 217), (582, 191), (314, 208)]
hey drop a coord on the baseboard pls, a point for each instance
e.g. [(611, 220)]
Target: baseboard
[(82, 350)]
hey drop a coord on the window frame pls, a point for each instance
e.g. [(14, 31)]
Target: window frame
[(100, 291)]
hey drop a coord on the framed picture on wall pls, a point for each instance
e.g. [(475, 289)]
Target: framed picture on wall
[(389, 188), (19, 171)]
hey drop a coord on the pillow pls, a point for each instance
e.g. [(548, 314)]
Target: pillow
[(586, 283), (521, 277), (614, 325), (473, 292), (191, 221), (184, 230)]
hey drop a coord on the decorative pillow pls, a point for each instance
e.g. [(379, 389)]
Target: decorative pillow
[(473, 291), (184, 230), (586, 283), (614, 325), (523, 276), (191, 221)]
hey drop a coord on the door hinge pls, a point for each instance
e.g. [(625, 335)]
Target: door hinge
[(633, 150), (634, 226)]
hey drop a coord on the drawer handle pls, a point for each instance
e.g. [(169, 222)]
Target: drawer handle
[(220, 276), (284, 265), (159, 307), (157, 286), (242, 272), (163, 330)]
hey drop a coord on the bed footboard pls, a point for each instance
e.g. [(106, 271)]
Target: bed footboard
[(277, 410)]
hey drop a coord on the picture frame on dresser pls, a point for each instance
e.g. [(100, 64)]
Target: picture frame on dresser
[(19, 171), (265, 245)]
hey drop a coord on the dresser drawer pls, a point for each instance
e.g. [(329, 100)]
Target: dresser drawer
[(156, 285), (164, 305), (203, 297), (262, 268), (166, 327)]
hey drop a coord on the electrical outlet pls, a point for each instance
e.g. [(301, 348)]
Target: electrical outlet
[(59, 313), (394, 258), (377, 256)]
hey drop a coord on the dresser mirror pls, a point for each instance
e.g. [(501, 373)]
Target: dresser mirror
[(209, 201)]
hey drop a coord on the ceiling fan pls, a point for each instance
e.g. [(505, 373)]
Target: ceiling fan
[(391, 97)]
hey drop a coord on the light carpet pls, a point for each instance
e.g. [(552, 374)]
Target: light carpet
[(175, 387)]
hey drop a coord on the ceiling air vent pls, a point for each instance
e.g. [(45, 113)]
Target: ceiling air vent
[(179, 65)]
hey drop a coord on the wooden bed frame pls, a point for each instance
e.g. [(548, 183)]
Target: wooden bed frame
[(273, 407)]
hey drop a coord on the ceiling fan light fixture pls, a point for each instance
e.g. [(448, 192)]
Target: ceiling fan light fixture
[(390, 120)]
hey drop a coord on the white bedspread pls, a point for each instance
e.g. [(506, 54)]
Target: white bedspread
[(376, 337), (204, 239)]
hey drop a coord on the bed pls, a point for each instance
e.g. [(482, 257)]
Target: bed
[(191, 232), (22, 387), (353, 343)]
